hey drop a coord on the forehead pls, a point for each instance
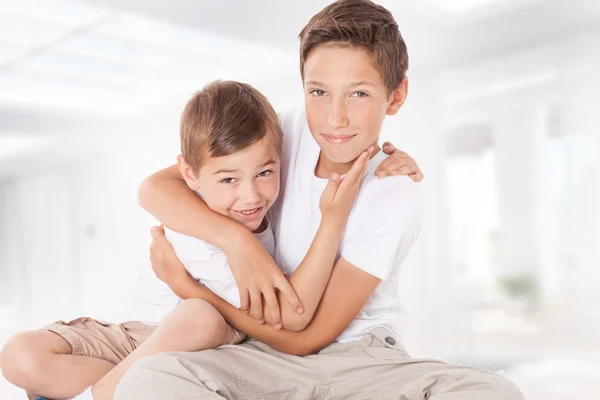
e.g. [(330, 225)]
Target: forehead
[(250, 157), (341, 65)]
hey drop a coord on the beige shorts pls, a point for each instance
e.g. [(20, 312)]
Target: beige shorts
[(111, 342), (373, 368)]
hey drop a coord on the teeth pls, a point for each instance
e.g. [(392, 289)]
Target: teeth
[(249, 212)]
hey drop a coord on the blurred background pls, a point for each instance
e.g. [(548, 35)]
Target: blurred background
[(502, 116)]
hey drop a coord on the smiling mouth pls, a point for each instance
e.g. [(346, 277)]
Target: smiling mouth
[(334, 139), (249, 213)]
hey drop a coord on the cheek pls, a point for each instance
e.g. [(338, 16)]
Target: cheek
[(270, 189), (219, 198), (370, 119), (314, 114)]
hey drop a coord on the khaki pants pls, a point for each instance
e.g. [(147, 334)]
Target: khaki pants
[(375, 367)]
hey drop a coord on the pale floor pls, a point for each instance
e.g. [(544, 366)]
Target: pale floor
[(539, 361)]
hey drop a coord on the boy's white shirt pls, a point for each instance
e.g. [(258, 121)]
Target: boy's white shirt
[(383, 224), (205, 262)]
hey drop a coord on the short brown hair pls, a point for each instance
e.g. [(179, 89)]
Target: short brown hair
[(223, 118), (362, 24)]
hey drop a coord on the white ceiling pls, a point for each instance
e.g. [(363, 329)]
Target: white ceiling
[(69, 64), (66, 54)]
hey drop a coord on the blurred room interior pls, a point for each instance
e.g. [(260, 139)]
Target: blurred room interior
[(502, 116)]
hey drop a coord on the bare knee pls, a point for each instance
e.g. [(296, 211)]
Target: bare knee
[(194, 315), (22, 357)]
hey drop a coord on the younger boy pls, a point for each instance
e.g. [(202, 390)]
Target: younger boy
[(231, 144)]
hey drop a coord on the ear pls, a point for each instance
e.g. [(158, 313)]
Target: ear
[(398, 97), (187, 173)]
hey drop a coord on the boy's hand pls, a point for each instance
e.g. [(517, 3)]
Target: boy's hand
[(340, 193), (398, 163), (165, 264), (257, 277)]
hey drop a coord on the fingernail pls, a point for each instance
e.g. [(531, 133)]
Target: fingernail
[(261, 321), (300, 310), (245, 311), (334, 176), (278, 326), (394, 173)]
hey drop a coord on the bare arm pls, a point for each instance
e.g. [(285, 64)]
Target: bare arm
[(311, 276), (166, 196), (346, 294)]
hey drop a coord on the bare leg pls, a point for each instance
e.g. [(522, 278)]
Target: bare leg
[(41, 362), (194, 325)]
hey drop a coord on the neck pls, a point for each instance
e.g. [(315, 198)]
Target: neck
[(325, 167)]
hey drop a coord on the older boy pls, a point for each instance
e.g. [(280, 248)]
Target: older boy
[(353, 65)]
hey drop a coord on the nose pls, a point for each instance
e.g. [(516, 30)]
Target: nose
[(338, 114), (249, 194)]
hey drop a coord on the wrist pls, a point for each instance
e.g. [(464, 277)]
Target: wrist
[(232, 236), (333, 224), (184, 286)]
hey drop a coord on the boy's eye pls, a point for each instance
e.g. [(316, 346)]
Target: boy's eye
[(361, 94), (265, 173), (227, 180), (317, 92)]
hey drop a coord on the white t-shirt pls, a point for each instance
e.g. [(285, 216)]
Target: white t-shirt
[(383, 224), (205, 262)]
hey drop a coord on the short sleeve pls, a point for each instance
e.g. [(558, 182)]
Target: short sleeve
[(391, 220)]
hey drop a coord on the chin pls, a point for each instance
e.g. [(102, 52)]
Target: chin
[(254, 225), (342, 156)]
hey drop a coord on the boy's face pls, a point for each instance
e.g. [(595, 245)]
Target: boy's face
[(241, 186), (346, 100)]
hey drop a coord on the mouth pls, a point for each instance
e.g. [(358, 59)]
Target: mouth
[(338, 139), (249, 214)]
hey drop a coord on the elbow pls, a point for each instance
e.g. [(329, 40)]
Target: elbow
[(145, 193), (304, 349), (296, 348), (296, 325), (292, 321)]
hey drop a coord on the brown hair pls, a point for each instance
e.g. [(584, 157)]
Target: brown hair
[(359, 24), (224, 118)]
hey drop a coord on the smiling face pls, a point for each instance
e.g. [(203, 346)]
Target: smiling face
[(346, 102), (242, 186)]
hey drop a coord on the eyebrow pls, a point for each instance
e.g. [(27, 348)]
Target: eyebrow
[(365, 83), (230, 171), (353, 84)]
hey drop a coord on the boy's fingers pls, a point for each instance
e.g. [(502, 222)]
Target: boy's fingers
[(256, 308), (417, 176), (404, 170), (244, 301), (388, 148), (273, 307), (363, 166), (288, 291), (397, 166), (332, 186), (355, 171), (395, 157)]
